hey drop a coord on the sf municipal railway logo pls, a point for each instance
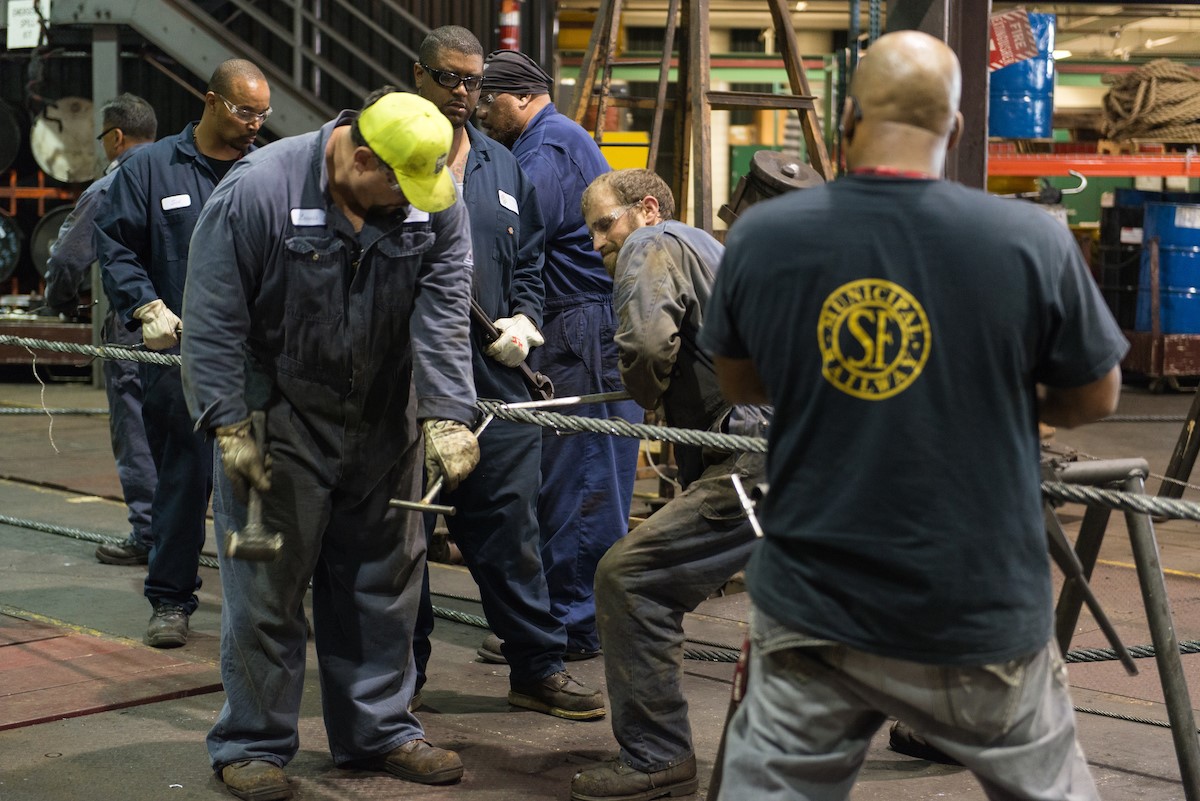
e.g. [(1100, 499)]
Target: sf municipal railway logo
[(874, 339)]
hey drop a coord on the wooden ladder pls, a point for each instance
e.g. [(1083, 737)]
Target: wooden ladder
[(693, 100)]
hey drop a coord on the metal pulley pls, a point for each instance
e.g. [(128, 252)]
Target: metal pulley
[(44, 235), (10, 136), (63, 141), (771, 173)]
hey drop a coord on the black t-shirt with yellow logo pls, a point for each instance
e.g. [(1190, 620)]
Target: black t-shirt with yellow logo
[(900, 326)]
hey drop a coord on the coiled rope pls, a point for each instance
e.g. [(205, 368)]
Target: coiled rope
[(1159, 101)]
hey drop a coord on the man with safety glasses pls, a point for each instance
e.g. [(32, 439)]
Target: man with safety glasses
[(496, 525), (143, 233), (587, 479)]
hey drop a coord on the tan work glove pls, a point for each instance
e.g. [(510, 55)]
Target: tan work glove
[(451, 451), (243, 462), (160, 326), (517, 336)]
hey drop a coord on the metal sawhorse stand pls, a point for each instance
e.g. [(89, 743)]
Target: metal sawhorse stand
[(1129, 475)]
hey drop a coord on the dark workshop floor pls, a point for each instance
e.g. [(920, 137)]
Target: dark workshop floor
[(87, 712)]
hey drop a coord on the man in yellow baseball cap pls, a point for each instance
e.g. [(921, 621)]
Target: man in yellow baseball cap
[(330, 290), (410, 135)]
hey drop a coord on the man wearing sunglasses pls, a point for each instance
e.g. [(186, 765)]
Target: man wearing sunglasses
[(587, 479), (331, 291), (143, 233), (129, 124), (496, 525)]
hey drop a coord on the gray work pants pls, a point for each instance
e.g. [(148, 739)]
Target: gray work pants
[(810, 711), (645, 583), (366, 584)]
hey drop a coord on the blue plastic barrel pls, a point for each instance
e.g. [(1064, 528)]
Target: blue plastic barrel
[(1177, 227), (1021, 95)]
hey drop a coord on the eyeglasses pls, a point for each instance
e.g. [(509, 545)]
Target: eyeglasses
[(603, 225), (106, 132), (486, 101), (388, 173), (245, 113), (451, 80)]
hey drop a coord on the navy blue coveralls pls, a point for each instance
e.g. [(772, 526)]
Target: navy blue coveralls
[(496, 526), (587, 479), (143, 233), (71, 258), (326, 329)]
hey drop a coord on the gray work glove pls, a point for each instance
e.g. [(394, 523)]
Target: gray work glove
[(161, 327), (518, 335), (451, 451), (244, 463)]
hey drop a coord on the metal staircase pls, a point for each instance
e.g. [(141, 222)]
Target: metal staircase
[(318, 55)]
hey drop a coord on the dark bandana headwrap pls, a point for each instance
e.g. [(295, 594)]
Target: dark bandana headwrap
[(515, 73)]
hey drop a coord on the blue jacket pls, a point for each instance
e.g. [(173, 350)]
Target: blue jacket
[(72, 253), (507, 239), (144, 229), (289, 309), (562, 159)]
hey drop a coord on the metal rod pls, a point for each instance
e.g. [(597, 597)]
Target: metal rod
[(572, 400), (746, 504)]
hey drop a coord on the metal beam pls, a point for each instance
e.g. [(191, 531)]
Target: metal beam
[(962, 24)]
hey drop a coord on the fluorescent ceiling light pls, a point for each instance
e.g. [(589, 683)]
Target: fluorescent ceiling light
[(1060, 54), (801, 5)]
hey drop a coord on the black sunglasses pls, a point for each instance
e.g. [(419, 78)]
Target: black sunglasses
[(106, 132), (451, 80)]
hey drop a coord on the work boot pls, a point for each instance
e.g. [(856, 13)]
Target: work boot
[(617, 781), (129, 552), (256, 780), (418, 761), (559, 695), (168, 627), (490, 651), (903, 740)]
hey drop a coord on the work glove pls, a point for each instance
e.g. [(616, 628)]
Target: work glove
[(160, 326), (244, 463), (517, 335), (451, 451)]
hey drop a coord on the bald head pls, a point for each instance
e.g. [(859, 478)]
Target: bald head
[(911, 78)]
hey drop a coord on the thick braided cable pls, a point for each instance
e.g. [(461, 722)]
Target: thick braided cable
[(617, 427), (103, 351), (1123, 501)]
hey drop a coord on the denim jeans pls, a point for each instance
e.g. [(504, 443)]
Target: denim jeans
[(811, 708), (645, 583)]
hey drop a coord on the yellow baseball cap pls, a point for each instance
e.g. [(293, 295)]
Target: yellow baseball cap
[(413, 137)]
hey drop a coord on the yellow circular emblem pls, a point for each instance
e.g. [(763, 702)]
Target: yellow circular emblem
[(874, 338)]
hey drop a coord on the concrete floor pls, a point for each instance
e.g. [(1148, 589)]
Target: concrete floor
[(58, 469)]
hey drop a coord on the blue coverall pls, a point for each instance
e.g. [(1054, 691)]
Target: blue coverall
[(587, 479), (293, 312), (495, 525), (143, 233), (71, 258)]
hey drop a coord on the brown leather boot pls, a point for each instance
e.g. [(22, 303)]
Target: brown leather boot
[(617, 781), (418, 761), (256, 780)]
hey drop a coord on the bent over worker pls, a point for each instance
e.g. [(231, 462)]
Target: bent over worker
[(330, 286), (663, 275)]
